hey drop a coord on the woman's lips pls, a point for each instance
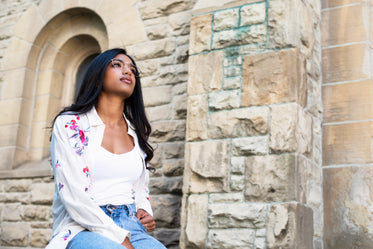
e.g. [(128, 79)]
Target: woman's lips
[(126, 80)]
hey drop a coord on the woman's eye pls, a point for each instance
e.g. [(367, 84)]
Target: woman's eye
[(117, 65)]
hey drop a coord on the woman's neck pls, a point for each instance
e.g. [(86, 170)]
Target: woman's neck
[(110, 110)]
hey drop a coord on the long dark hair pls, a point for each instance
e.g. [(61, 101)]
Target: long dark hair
[(133, 106)]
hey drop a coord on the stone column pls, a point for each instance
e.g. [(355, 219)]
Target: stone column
[(252, 174)]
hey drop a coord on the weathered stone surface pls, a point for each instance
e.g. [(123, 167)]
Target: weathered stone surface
[(226, 19), (226, 197), (348, 137), (250, 146), (182, 53), (173, 74), (11, 212), (36, 213), (237, 182), (336, 3), (154, 49), (165, 185), (232, 83), (157, 113), (18, 185), (238, 165), (348, 194), (253, 14), (196, 118), (156, 32), (174, 150), (168, 237), (42, 193), (237, 238), (242, 36), (166, 210), (180, 23), (200, 34), (271, 178), (237, 215), (179, 104), (156, 8), (40, 237), (156, 96), (174, 167), (196, 229), (166, 131), (290, 226), (147, 67), (291, 129), (238, 123), (224, 100), (180, 88), (207, 166), (348, 102), (205, 73), (285, 82), (14, 234), (15, 197)]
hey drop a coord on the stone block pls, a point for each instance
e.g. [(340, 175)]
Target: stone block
[(182, 53), (237, 182), (167, 131), (17, 55), (148, 67), (238, 165), (39, 138), (232, 71), (250, 146), (156, 32), (22, 185), (180, 23), (335, 3), (40, 237), (201, 174), (353, 31), (168, 237), (6, 157), (241, 36), (285, 82), (11, 212), (348, 207), (196, 118), (271, 178), (10, 111), (13, 83), (348, 102), (165, 185), (344, 63), (180, 88), (166, 210), (237, 215), (153, 49), (179, 104), (200, 34), (224, 100), (174, 150), (173, 74), (14, 234), (290, 226), (156, 8), (347, 143), (205, 73), (291, 129), (226, 19), (253, 14), (196, 207), (35, 213), (238, 123), (23, 198), (9, 135), (226, 197), (157, 113), (174, 167), (42, 193), (232, 83), (156, 96), (225, 238)]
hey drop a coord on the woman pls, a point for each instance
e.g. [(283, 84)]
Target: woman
[(99, 153)]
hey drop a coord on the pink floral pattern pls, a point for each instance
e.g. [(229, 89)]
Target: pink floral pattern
[(80, 136)]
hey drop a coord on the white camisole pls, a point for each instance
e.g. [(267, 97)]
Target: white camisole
[(113, 176)]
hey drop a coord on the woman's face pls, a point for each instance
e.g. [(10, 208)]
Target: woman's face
[(119, 78)]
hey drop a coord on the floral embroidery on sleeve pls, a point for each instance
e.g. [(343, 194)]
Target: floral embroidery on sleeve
[(80, 136), (66, 235), (57, 164)]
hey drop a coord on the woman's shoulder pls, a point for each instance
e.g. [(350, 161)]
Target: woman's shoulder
[(70, 118)]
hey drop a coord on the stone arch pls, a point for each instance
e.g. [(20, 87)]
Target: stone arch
[(49, 76)]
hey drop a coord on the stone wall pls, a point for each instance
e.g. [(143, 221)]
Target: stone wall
[(348, 127), (252, 163)]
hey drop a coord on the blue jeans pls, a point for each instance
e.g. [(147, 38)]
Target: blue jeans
[(125, 217)]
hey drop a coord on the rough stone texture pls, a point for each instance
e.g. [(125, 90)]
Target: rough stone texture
[(237, 215), (200, 34), (250, 146), (42, 193), (196, 118), (253, 14), (226, 19), (166, 208), (40, 237), (285, 82), (271, 178), (238, 123), (348, 194), (205, 73), (288, 226), (224, 100), (166, 131), (291, 129), (157, 8), (196, 229), (240, 239), (15, 234)]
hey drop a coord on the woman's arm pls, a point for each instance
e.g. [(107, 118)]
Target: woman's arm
[(72, 178)]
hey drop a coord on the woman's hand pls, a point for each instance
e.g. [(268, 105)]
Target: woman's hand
[(127, 244), (146, 219)]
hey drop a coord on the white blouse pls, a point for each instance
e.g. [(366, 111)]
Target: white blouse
[(74, 145)]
